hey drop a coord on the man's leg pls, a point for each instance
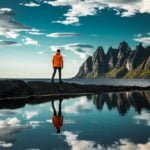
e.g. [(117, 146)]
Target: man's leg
[(59, 111), (54, 72), (54, 110), (59, 69)]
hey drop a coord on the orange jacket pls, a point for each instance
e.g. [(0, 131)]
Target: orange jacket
[(57, 60), (57, 121)]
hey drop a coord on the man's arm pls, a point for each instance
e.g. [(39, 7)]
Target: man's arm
[(53, 61), (62, 65)]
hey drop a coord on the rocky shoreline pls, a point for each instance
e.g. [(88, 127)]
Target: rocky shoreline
[(18, 89)]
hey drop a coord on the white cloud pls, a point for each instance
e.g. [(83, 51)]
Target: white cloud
[(122, 144), (8, 129), (66, 121), (83, 50), (9, 122), (144, 117), (78, 106), (29, 41), (35, 124), (30, 114), (9, 27), (30, 4), (143, 39), (67, 34), (4, 144), (80, 8), (35, 33), (138, 35)]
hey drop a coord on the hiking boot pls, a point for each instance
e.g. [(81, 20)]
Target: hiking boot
[(60, 81)]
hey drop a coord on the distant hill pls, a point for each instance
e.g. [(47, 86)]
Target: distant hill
[(121, 62)]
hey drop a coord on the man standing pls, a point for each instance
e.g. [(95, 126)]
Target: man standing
[(57, 63)]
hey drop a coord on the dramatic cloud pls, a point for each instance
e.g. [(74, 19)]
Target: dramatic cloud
[(67, 34), (81, 8), (8, 26), (143, 39), (30, 4), (7, 43), (122, 144), (29, 41), (83, 50), (30, 114)]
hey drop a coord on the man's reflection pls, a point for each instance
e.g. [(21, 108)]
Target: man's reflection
[(57, 117)]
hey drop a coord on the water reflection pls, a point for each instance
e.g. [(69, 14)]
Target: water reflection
[(80, 122), (57, 118), (123, 101)]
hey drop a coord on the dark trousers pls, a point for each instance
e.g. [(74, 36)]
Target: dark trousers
[(54, 72), (54, 110)]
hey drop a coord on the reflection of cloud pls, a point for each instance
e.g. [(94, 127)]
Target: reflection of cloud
[(83, 50), (144, 117), (78, 106), (8, 112), (30, 114), (65, 121), (123, 144), (8, 129), (9, 122), (67, 34), (32, 149), (80, 8), (76, 144), (35, 124)]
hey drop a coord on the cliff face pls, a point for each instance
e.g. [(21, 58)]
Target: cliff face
[(119, 62)]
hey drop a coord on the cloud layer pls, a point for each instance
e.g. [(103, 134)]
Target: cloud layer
[(7, 43), (83, 50), (81, 8), (143, 38), (9, 27), (67, 34), (123, 144)]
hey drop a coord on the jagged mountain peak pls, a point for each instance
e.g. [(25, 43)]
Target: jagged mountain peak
[(99, 50), (123, 46), (117, 62)]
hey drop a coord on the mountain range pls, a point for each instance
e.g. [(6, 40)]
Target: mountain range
[(121, 62)]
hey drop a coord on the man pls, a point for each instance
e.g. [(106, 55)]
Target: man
[(57, 117), (57, 63)]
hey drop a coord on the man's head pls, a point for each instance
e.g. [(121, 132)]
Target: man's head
[(58, 50)]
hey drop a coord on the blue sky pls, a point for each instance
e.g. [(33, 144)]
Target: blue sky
[(32, 30)]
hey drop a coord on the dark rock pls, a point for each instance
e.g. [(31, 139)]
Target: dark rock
[(116, 62), (14, 88)]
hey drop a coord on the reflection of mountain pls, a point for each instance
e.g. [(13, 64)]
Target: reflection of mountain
[(123, 101), (117, 62)]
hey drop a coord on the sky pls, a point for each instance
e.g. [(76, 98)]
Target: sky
[(32, 30)]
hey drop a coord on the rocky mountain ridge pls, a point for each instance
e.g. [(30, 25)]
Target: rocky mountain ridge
[(121, 62)]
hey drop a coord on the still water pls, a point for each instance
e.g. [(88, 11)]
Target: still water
[(97, 122)]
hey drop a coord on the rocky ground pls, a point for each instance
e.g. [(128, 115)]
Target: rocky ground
[(18, 89)]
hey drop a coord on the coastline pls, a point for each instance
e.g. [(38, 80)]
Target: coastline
[(19, 89)]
